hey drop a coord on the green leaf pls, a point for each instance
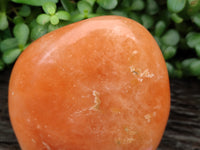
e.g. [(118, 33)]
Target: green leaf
[(157, 40), (54, 20), (21, 33), (2, 65), (193, 39), (84, 7), (197, 49), (186, 65), (135, 16), (160, 28), (169, 52), (91, 2), (176, 6), (102, 11), (93, 15), (3, 21), (43, 19), (196, 19), (49, 8), (108, 4), (119, 13), (152, 7), (25, 11), (171, 37), (18, 19), (173, 72), (170, 69), (176, 18), (68, 5), (63, 15), (35, 11), (137, 5), (195, 68), (163, 46), (77, 17), (11, 55), (38, 31), (125, 3), (9, 43), (6, 34), (34, 2), (32, 24), (52, 27), (147, 21)]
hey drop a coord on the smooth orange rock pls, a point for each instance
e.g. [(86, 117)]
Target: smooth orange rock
[(99, 84)]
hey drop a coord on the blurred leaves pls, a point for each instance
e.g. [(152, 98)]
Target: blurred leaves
[(171, 37), (49, 8), (176, 6), (84, 7), (11, 55), (193, 39), (3, 21), (25, 11), (21, 33), (107, 4), (160, 28), (42, 19), (34, 2), (137, 5), (63, 15), (8, 43)]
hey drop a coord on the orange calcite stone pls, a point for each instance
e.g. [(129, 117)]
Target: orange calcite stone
[(98, 84)]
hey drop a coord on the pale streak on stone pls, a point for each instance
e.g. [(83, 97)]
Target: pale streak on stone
[(146, 74), (157, 107), (134, 52), (154, 113), (140, 79), (38, 126), (130, 140), (141, 75), (28, 120), (148, 118), (133, 70), (132, 133), (125, 140), (46, 145), (97, 100), (129, 131), (150, 148), (115, 111), (33, 140)]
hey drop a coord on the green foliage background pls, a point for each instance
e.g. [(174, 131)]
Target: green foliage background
[(175, 24)]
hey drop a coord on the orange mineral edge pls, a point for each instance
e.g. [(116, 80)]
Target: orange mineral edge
[(98, 84)]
